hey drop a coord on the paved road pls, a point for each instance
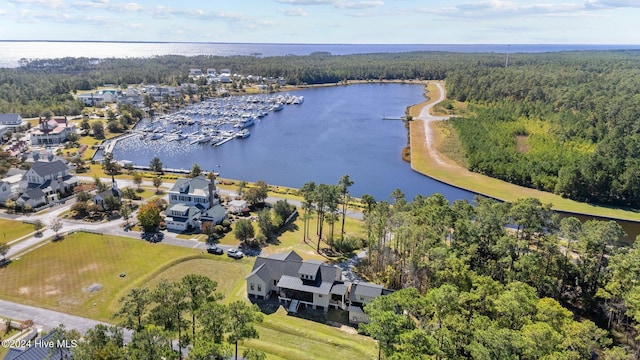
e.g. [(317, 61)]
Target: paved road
[(45, 317), (49, 318)]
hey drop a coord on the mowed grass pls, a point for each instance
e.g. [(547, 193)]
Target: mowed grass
[(288, 337), (58, 275), (227, 272), (12, 230)]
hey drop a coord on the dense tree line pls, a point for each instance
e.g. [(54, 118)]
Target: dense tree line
[(587, 104), (39, 85), (484, 273)]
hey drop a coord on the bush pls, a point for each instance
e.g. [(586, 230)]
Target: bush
[(347, 244)]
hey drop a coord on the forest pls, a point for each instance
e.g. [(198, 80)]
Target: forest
[(498, 281), (566, 123)]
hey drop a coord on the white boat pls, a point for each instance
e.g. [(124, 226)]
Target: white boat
[(243, 134), (157, 136), (204, 138), (277, 107)]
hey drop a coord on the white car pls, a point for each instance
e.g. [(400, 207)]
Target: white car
[(235, 253)]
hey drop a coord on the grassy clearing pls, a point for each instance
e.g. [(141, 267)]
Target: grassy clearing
[(448, 143), (12, 230), (57, 275)]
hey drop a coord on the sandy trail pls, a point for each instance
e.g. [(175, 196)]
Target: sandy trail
[(427, 118)]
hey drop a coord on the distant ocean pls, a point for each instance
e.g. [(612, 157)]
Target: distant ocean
[(13, 51)]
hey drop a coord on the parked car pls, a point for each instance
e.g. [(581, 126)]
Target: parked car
[(213, 249), (235, 253)]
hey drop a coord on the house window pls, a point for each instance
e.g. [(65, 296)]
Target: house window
[(275, 282), (259, 287), (361, 298), (252, 287), (319, 295)]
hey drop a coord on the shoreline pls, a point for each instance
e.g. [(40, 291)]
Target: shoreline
[(427, 160)]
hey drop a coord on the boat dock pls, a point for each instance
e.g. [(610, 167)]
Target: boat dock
[(111, 143), (227, 139), (393, 118)]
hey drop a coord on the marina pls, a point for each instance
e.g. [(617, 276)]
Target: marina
[(212, 122), (336, 131)]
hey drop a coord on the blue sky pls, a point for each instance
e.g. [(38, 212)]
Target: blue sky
[(326, 21)]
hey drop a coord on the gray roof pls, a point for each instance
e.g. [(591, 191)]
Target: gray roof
[(295, 283), (366, 289), (339, 289), (44, 168), (290, 255), (309, 268), (34, 193), (36, 352), (198, 185), (216, 212), (10, 119), (285, 268)]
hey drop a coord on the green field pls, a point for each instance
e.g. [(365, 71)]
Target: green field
[(12, 230), (58, 276)]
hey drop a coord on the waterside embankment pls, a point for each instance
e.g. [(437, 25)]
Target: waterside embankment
[(426, 139)]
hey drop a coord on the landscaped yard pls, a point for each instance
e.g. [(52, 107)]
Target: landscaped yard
[(65, 276), (12, 230), (291, 239)]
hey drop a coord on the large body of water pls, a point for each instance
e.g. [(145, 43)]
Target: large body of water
[(336, 131), (13, 51)]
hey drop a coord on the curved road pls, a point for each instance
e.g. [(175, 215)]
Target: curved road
[(427, 118)]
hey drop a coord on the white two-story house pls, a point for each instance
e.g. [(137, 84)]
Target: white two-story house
[(192, 201)]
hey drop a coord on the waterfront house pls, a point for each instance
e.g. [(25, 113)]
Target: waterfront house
[(51, 131), (53, 178), (8, 122), (311, 283), (192, 201)]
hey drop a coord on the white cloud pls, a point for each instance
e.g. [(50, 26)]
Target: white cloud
[(294, 12), (51, 4), (501, 8), (612, 4), (359, 4), (307, 2)]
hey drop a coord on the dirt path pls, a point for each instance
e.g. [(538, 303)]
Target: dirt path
[(427, 118)]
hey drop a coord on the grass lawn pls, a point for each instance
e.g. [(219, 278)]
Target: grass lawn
[(58, 275), (227, 272), (287, 337), (12, 230)]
